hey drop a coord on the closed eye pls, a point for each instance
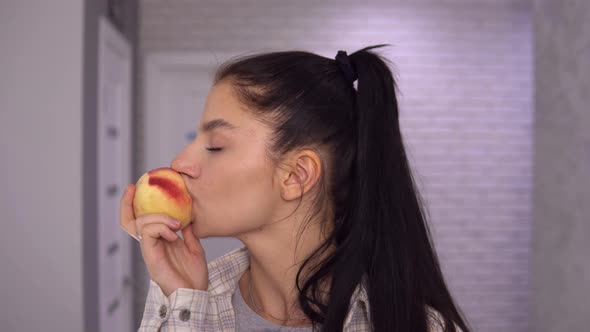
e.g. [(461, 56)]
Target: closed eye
[(214, 149)]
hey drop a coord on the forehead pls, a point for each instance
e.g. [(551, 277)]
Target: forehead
[(221, 104), (223, 111)]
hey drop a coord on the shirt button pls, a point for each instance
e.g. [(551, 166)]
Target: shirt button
[(163, 311), (184, 315)]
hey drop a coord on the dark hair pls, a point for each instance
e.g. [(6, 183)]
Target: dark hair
[(379, 226)]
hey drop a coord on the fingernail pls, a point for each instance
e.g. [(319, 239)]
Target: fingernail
[(176, 223)]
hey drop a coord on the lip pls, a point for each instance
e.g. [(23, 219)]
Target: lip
[(185, 180)]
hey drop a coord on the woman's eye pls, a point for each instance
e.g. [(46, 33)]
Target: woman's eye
[(214, 149)]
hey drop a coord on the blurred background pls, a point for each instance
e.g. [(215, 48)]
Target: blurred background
[(494, 109)]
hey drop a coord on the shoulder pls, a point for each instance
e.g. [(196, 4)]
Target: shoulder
[(436, 322)]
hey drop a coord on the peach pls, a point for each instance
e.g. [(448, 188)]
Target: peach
[(162, 190)]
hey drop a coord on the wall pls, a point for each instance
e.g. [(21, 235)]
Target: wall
[(465, 75), (41, 165), (561, 269), (125, 18), (48, 167)]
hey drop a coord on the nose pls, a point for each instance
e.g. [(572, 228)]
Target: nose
[(185, 165)]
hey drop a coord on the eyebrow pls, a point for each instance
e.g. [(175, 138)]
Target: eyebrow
[(217, 123)]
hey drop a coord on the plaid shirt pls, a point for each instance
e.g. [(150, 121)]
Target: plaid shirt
[(196, 310)]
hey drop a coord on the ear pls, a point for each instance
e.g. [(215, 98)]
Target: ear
[(303, 171)]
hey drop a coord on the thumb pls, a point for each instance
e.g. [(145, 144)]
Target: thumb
[(191, 241)]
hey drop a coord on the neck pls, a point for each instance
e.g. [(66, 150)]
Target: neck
[(275, 258)]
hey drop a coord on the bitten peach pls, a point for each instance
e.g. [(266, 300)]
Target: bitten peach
[(162, 190)]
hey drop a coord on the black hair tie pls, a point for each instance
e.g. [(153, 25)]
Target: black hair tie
[(346, 67)]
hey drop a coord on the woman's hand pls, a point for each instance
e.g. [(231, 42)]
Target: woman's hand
[(171, 262)]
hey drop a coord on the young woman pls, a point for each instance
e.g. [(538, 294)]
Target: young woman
[(311, 174)]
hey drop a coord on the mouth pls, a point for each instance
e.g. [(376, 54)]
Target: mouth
[(186, 180), (193, 197), (188, 189)]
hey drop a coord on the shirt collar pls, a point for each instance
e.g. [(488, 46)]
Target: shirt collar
[(225, 272)]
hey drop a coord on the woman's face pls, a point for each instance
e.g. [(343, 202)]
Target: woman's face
[(232, 187)]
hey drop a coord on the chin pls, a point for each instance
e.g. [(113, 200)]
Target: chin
[(199, 232)]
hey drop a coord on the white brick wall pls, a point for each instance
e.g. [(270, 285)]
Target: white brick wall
[(465, 74)]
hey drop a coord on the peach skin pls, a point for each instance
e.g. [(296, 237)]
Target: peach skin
[(162, 190)]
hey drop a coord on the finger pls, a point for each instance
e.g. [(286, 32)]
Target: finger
[(153, 232), (126, 215), (155, 218), (191, 240)]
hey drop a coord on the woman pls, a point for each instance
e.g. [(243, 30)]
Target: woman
[(312, 176)]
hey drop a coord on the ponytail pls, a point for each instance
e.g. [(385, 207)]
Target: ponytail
[(389, 235)]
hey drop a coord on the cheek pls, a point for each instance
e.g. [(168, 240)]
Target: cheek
[(236, 197)]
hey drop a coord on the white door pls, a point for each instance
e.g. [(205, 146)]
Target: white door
[(176, 85), (114, 158)]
